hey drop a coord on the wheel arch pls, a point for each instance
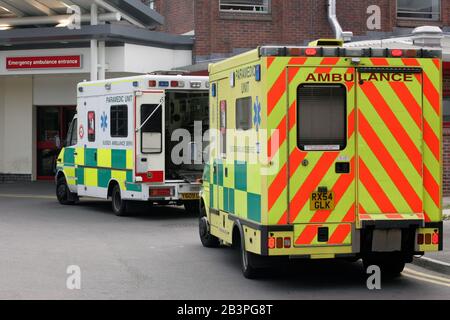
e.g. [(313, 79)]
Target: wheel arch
[(60, 173), (111, 184), (237, 236)]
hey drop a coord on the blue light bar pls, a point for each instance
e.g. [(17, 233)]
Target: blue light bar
[(164, 83)]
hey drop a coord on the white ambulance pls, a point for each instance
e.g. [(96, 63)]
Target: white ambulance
[(136, 138)]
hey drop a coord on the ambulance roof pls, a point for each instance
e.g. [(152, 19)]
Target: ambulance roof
[(141, 83)]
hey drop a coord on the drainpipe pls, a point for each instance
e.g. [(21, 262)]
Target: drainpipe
[(337, 29)]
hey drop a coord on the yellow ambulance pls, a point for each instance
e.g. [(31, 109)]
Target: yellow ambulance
[(325, 152)]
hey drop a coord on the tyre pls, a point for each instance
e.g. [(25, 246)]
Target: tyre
[(248, 262), (192, 207), (63, 194), (207, 239), (391, 265), (119, 206)]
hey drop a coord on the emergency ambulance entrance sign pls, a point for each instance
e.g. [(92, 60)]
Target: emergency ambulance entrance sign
[(44, 62)]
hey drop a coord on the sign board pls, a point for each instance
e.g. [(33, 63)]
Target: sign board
[(43, 62)]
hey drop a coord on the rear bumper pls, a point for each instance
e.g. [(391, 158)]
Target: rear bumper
[(383, 236), (179, 191)]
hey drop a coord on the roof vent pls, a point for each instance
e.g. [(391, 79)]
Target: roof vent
[(427, 36)]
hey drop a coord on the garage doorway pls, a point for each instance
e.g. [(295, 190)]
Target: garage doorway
[(52, 125)]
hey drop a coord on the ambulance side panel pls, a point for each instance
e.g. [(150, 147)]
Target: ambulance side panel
[(100, 158)]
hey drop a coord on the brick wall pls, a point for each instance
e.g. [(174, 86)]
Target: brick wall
[(178, 15)]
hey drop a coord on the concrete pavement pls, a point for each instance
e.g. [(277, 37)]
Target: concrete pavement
[(156, 254)]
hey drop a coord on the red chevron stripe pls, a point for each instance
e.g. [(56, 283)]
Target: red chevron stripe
[(276, 92), (350, 215), (437, 63), (297, 60), (411, 62), (329, 61), (272, 150), (376, 192), (283, 219), (379, 61), (340, 187), (277, 186), (311, 183), (431, 94), (395, 127), (431, 186), (351, 124), (269, 61), (340, 234), (431, 140), (307, 236), (408, 101), (389, 164)]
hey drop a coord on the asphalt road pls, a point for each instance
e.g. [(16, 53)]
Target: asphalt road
[(156, 254)]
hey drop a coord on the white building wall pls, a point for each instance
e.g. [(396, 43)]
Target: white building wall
[(141, 59), (56, 90), (17, 145)]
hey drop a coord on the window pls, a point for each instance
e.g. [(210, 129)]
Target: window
[(91, 126), (321, 113), (151, 131), (119, 121), (258, 6), (419, 9), (72, 134), (244, 113)]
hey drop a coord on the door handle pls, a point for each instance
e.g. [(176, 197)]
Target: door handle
[(95, 156), (226, 172)]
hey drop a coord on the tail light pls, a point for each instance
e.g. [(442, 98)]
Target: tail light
[(152, 83), (420, 238), (271, 243), (279, 242), (435, 238), (287, 242), (160, 192)]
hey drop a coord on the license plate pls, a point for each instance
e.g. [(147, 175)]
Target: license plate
[(190, 196), (321, 201)]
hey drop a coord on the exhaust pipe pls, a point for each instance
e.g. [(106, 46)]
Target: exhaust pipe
[(346, 36)]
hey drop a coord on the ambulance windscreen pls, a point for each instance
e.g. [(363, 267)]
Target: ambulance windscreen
[(321, 114)]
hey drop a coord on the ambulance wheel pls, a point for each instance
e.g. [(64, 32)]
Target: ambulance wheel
[(248, 263), (63, 194), (192, 207), (391, 265), (119, 206), (207, 239)]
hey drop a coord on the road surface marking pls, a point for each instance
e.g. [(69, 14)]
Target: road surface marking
[(27, 196), (421, 274), (426, 280)]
